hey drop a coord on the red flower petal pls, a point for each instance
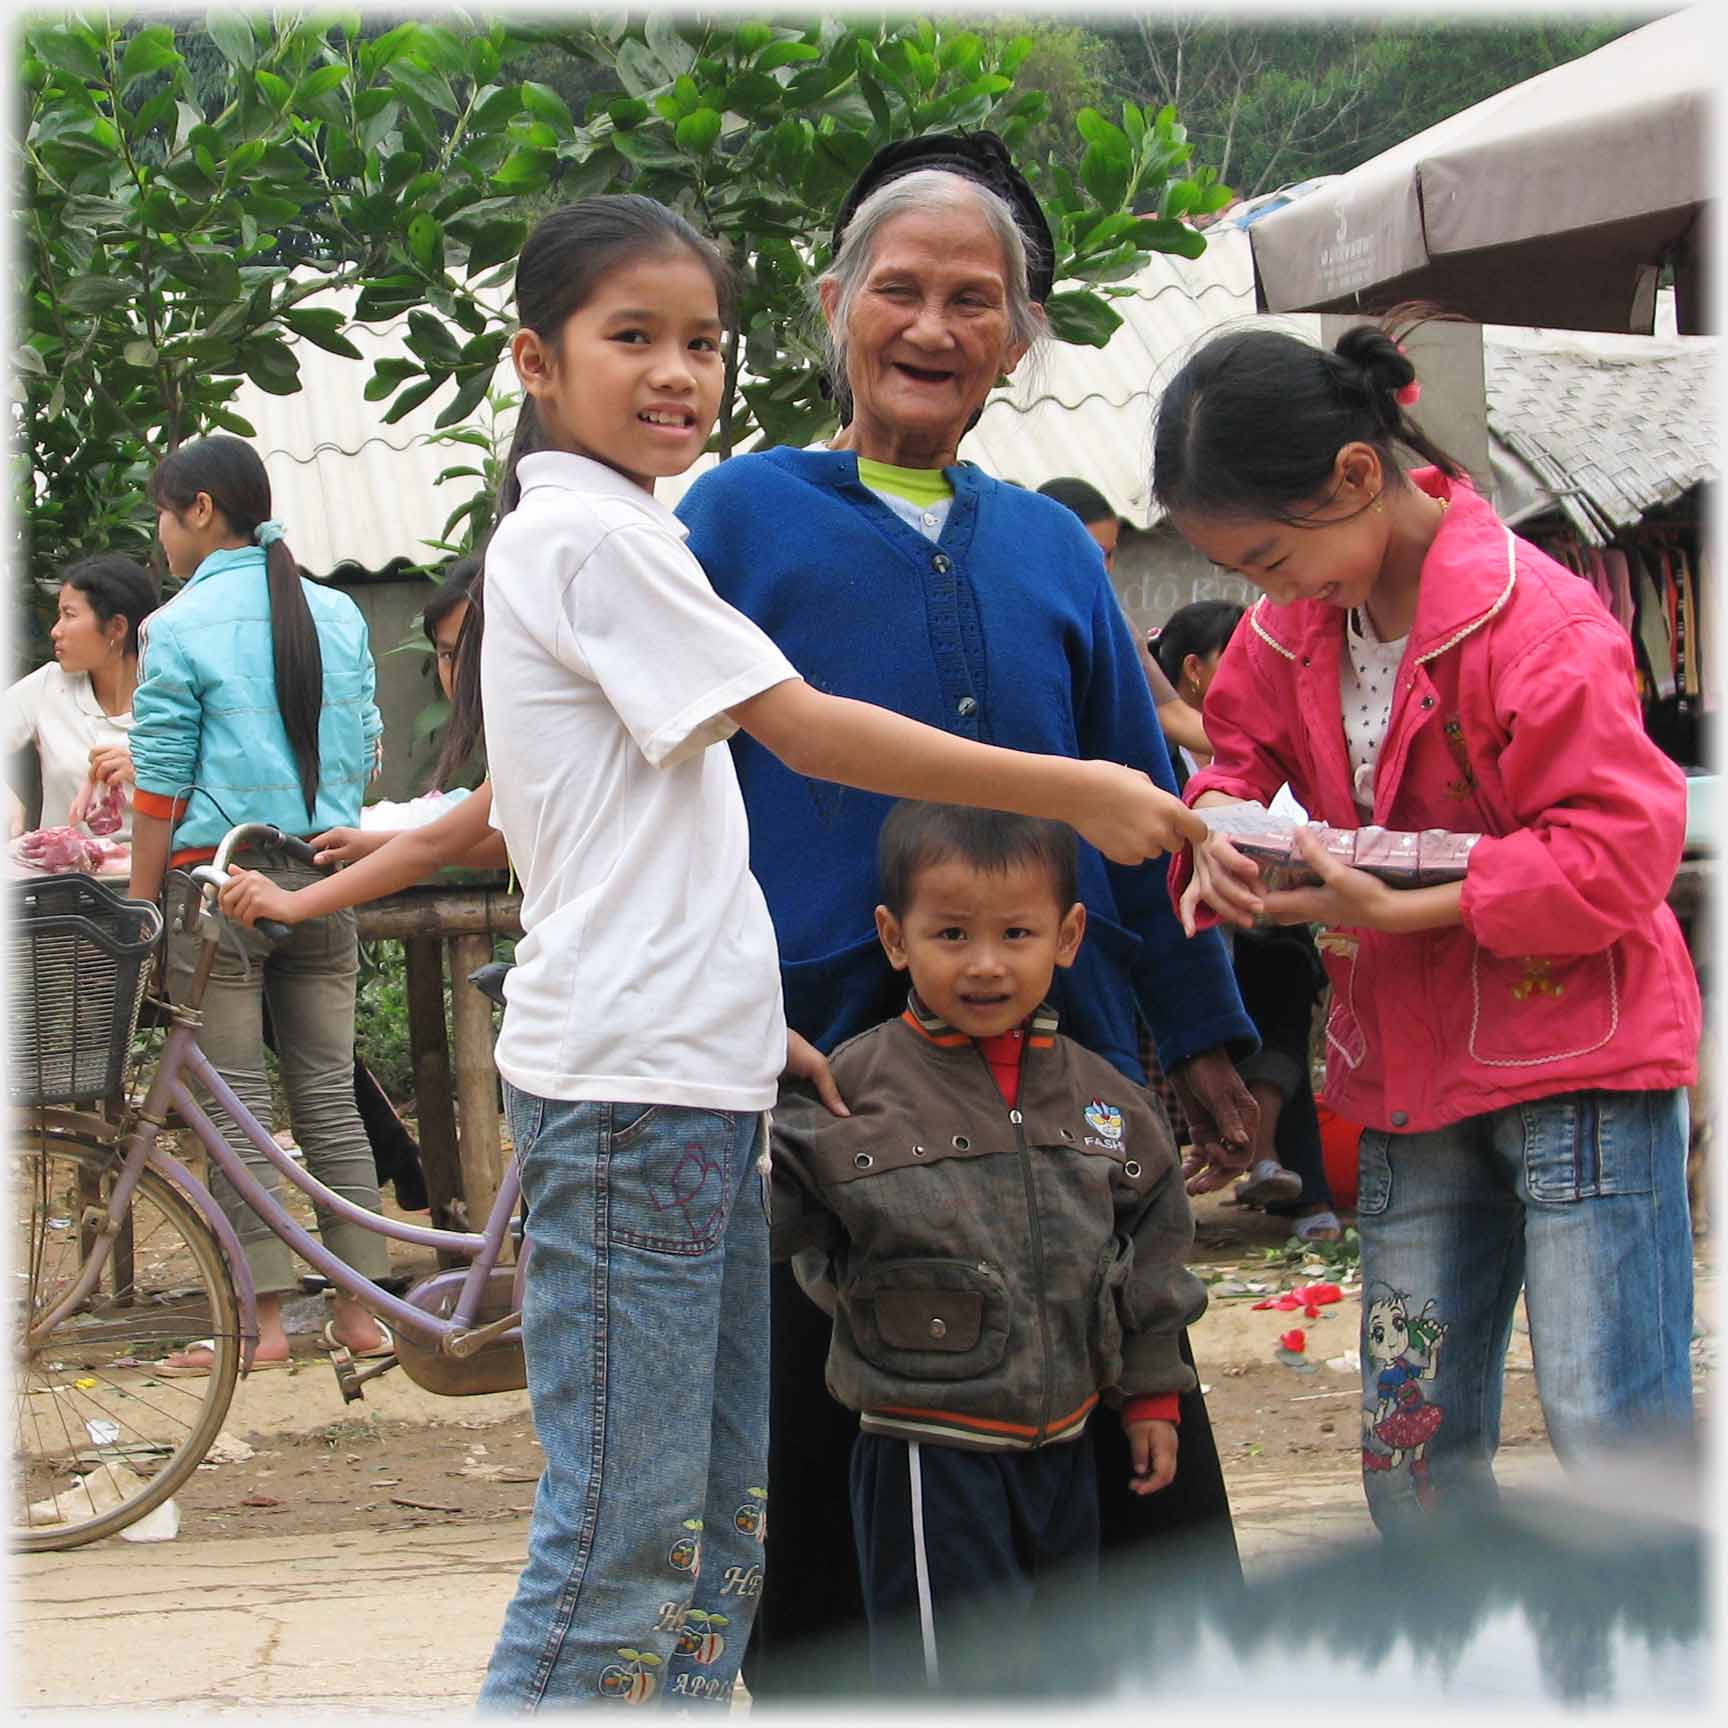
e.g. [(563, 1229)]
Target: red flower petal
[(1295, 1341)]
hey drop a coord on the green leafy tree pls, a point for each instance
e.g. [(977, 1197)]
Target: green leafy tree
[(193, 194)]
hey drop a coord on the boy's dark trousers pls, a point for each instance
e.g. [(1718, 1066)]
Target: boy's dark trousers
[(810, 1607), (976, 1567)]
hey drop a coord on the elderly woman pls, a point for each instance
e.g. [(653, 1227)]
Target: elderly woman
[(890, 571)]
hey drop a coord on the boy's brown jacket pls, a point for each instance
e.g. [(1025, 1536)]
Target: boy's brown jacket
[(991, 1271)]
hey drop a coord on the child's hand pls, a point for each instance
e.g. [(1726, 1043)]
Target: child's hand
[(1344, 896), (1129, 819), (805, 1062), (1224, 880), (343, 846), (1152, 1446), (248, 896)]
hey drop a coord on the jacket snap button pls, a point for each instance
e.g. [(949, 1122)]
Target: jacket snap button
[(1131, 1168), (966, 705), (917, 1151), (1306, 661), (940, 564), (1399, 1118), (961, 1143), (938, 1328), (863, 1160), (1427, 701)]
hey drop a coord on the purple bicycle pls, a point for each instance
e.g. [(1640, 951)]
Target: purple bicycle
[(122, 1256)]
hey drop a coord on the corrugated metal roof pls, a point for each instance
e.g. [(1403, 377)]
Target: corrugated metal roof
[(346, 487), (1605, 428), (1608, 425)]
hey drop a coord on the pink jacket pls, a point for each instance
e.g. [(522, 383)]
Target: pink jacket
[(1515, 716)]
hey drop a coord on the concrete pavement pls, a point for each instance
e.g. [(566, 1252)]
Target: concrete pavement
[(391, 1622)]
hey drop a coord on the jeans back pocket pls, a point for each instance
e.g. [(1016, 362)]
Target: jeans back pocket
[(671, 1173)]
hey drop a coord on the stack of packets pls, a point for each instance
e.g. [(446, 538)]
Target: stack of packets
[(1400, 858)]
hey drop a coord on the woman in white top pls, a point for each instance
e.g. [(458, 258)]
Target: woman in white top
[(77, 708)]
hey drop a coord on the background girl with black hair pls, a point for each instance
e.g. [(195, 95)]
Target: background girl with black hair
[(76, 709), (256, 705), (1277, 971), (1517, 1043)]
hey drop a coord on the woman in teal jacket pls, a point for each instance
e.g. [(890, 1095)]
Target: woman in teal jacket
[(255, 704)]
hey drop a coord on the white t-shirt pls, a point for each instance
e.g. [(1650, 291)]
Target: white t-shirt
[(648, 972), (62, 718)]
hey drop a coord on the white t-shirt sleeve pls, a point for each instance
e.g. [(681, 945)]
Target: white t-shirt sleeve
[(19, 706), (672, 657)]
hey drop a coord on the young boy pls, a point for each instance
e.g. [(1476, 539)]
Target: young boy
[(998, 1230)]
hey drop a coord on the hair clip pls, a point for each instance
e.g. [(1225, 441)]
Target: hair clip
[(1408, 395)]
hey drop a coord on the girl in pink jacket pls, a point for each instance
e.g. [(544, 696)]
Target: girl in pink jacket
[(1517, 1043)]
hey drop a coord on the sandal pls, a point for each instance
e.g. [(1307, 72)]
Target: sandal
[(1268, 1183), (1317, 1227), (329, 1341), (171, 1369)]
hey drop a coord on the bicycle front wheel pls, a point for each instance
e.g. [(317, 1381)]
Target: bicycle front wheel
[(101, 1437)]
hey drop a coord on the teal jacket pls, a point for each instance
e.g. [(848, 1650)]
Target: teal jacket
[(208, 743)]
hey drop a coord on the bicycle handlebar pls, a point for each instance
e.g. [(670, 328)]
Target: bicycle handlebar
[(211, 877)]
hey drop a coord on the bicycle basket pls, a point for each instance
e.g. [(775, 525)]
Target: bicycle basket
[(80, 958)]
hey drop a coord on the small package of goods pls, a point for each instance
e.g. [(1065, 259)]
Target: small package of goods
[(1401, 858)]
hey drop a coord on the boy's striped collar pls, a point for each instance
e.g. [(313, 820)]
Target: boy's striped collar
[(1040, 1027)]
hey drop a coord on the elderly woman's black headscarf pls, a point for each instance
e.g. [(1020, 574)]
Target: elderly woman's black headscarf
[(980, 156)]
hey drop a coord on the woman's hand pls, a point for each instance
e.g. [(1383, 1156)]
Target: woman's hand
[(805, 1062), (110, 762), (248, 896), (1224, 880), (344, 845), (1129, 819)]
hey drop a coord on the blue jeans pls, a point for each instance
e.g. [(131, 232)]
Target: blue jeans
[(1579, 1199), (645, 1322)]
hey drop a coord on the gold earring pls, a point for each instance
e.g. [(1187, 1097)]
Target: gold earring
[(1379, 507)]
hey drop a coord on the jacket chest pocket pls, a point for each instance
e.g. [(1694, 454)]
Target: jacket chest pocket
[(929, 1319), (1528, 1011)]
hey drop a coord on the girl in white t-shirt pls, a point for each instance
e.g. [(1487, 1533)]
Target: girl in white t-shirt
[(644, 1038), (76, 710)]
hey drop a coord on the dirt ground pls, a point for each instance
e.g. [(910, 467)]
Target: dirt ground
[(404, 1458)]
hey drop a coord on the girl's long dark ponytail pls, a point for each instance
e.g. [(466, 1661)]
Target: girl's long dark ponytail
[(467, 724), (232, 474), (297, 657)]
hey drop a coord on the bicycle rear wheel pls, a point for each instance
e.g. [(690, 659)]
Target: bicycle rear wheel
[(99, 1438)]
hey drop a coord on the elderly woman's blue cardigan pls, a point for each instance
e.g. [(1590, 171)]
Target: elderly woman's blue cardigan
[(1007, 630)]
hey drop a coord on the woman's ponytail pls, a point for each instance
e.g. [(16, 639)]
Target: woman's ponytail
[(466, 726), (297, 657), (467, 723)]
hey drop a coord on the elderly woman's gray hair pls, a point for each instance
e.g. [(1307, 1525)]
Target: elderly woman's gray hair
[(924, 190)]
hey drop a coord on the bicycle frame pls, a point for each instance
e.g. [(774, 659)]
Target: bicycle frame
[(183, 1059)]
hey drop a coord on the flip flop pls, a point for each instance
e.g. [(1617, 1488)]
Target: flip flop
[(329, 1341), (168, 1369), (1269, 1184), (1317, 1227)]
